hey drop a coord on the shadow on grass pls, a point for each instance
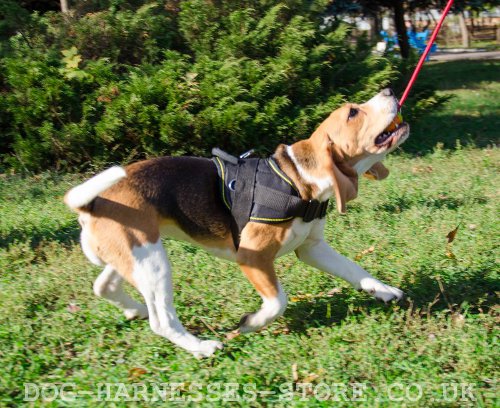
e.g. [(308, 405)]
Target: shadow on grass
[(471, 289), (66, 235), (448, 129), (400, 203), (475, 288)]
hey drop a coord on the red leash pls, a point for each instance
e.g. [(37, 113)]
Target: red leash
[(424, 55)]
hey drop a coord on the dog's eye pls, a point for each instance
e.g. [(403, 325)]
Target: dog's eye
[(353, 112)]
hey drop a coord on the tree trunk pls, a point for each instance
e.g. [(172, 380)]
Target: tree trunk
[(399, 22), (431, 17), (463, 30), (375, 26), (64, 6)]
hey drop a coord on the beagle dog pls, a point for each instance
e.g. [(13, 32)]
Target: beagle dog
[(124, 212)]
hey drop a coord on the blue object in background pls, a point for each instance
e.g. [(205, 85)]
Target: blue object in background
[(416, 40), (419, 41)]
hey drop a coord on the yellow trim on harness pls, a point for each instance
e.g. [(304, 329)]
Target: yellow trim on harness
[(271, 219), (223, 183), (279, 173)]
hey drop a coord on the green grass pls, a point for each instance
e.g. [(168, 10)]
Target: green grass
[(471, 116), (53, 330), (488, 45)]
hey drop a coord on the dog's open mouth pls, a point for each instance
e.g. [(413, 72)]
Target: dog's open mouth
[(392, 134)]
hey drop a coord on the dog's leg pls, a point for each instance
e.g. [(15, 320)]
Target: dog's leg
[(274, 299), (109, 285), (153, 277), (258, 248), (317, 253)]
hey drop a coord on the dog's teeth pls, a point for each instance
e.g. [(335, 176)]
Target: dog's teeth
[(385, 135)]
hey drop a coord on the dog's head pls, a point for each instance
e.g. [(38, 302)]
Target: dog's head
[(359, 131), (355, 138), (359, 139)]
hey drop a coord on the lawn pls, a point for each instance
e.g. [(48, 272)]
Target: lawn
[(436, 348)]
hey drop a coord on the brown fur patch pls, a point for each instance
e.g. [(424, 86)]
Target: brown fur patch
[(223, 242), (286, 165), (120, 220), (377, 172), (258, 248)]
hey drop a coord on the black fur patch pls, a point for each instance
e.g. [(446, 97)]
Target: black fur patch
[(186, 190)]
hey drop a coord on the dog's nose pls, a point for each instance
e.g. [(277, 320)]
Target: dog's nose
[(387, 92)]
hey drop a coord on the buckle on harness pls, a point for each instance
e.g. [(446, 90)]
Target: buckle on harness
[(315, 209), (247, 154)]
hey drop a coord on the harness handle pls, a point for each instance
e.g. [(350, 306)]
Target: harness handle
[(224, 156)]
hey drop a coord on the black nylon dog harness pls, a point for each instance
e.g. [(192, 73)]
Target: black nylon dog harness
[(257, 190)]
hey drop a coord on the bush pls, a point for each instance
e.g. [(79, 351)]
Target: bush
[(177, 78)]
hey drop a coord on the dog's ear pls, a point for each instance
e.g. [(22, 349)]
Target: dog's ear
[(377, 172), (346, 187), (346, 180)]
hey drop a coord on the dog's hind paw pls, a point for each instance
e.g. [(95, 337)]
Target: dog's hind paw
[(381, 291), (207, 348), (139, 312)]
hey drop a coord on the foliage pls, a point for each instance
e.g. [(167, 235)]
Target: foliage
[(141, 79)]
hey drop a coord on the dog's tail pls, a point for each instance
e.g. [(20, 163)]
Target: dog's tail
[(83, 194)]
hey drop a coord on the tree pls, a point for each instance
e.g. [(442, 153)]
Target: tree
[(399, 8), (64, 6), (459, 8), (464, 30), (399, 22), (371, 8)]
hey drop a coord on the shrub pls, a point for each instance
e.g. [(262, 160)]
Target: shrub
[(164, 78)]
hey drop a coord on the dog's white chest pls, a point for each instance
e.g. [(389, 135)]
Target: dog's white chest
[(297, 234)]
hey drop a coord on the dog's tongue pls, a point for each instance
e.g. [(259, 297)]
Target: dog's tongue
[(394, 124)]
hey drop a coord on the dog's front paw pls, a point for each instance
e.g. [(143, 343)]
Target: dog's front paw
[(380, 290), (207, 347), (139, 312)]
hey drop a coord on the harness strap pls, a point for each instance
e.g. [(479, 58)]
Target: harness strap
[(295, 206), (243, 201), (246, 193)]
